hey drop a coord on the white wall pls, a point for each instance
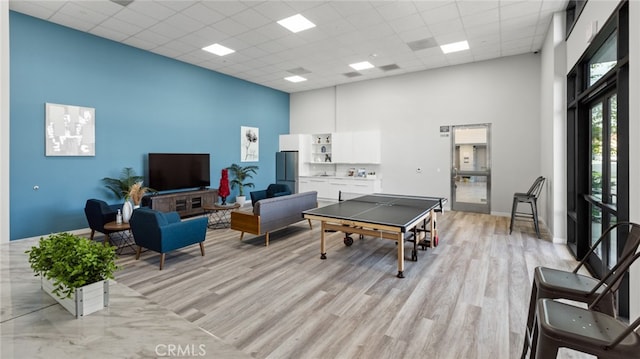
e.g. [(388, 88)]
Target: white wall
[(4, 121), (577, 42), (553, 133), (315, 111), (409, 110)]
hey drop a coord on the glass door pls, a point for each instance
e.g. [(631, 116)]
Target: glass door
[(471, 168), (602, 196)]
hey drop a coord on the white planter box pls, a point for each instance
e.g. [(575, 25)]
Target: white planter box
[(85, 300)]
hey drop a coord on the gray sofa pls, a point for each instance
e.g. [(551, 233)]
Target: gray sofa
[(273, 213)]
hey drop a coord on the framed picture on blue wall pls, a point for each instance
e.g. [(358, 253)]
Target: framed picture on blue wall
[(69, 130), (249, 144)]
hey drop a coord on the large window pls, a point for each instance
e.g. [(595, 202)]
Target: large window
[(597, 147)]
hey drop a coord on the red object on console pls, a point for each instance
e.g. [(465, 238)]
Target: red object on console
[(223, 190)]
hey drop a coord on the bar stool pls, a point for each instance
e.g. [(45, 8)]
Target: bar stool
[(530, 197)]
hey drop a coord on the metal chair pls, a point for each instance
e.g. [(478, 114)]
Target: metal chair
[(530, 197), (599, 294), (560, 325)]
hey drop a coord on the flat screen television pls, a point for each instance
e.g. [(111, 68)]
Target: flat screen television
[(174, 171)]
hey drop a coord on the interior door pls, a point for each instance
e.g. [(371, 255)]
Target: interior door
[(471, 168)]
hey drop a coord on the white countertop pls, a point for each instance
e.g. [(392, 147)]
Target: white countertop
[(351, 178)]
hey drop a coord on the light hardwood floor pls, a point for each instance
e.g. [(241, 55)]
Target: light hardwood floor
[(467, 298)]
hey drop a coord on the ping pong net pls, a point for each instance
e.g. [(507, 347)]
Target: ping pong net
[(380, 197)]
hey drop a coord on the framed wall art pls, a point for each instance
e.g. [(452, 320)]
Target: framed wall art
[(69, 130), (249, 144)]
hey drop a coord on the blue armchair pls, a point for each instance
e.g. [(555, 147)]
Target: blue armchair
[(164, 232), (100, 213), (273, 190)]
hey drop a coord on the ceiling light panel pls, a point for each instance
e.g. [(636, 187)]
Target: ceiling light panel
[(295, 78), (455, 47), (364, 65), (296, 23), (218, 49)]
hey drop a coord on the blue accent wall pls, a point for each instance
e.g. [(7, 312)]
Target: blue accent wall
[(144, 103)]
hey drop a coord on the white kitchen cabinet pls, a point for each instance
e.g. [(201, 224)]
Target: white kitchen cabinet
[(366, 147), (342, 147), (329, 187), (290, 142)]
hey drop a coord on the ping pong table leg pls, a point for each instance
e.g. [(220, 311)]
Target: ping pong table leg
[(323, 251), (400, 245)]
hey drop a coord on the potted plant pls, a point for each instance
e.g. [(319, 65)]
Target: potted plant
[(74, 271), (128, 186), (240, 175), (121, 186)]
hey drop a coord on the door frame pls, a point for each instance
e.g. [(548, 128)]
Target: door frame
[(454, 173)]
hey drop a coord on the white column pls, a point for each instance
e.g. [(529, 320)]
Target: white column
[(4, 121)]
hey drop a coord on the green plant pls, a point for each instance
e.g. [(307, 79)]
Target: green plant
[(120, 186), (71, 262), (240, 175)]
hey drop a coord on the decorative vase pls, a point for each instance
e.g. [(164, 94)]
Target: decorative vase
[(240, 200), (127, 211)]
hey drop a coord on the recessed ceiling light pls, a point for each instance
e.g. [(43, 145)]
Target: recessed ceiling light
[(296, 23), (295, 78), (455, 47), (218, 49), (362, 65)]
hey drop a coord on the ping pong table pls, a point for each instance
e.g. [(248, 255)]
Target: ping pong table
[(381, 215)]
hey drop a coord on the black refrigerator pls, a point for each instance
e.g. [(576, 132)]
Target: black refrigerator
[(287, 169)]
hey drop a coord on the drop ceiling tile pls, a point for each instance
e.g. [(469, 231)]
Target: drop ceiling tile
[(167, 30), (395, 10), (349, 8), (251, 18), (152, 37), (227, 8), (32, 8), (183, 22), (440, 14), (253, 38), (365, 18), (407, 23), (321, 14), (337, 28), (475, 7), (519, 9), (444, 28), (166, 51), (118, 25), (135, 18), (231, 26), (203, 13), (108, 8), (140, 43), (275, 10), (273, 47), (71, 21), (415, 35), (108, 33), (82, 13), (51, 5), (151, 9), (487, 17)]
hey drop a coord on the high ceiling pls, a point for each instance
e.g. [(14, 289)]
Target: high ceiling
[(396, 36)]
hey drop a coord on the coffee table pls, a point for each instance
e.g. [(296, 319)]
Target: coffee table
[(219, 214), (124, 236)]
